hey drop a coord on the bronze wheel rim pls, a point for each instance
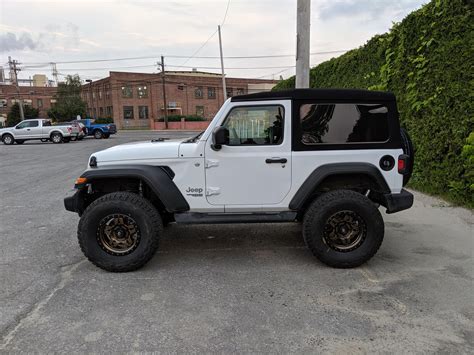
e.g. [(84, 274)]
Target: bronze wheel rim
[(118, 234), (344, 231)]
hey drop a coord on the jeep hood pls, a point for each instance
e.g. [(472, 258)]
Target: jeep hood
[(140, 151)]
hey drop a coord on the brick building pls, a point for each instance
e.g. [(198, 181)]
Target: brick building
[(36, 96), (136, 99)]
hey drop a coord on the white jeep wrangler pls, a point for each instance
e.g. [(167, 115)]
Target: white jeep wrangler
[(323, 158)]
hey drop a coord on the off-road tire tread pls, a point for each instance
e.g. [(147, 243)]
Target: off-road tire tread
[(317, 208), (153, 217)]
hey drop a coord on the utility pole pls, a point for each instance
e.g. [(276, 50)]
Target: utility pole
[(164, 90), (54, 69), (14, 77), (222, 64), (303, 23)]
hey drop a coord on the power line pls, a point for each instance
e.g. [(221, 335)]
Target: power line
[(168, 65), (44, 64), (225, 15)]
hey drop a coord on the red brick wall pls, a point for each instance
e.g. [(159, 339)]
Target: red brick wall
[(33, 93), (185, 98)]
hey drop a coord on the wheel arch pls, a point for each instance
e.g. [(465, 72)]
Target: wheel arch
[(56, 131), (337, 175), (158, 179)]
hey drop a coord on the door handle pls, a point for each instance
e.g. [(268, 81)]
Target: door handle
[(27, 129), (276, 160)]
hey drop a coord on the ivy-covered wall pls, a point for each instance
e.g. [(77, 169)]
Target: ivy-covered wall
[(427, 60)]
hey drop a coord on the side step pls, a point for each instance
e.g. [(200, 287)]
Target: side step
[(216, 218)]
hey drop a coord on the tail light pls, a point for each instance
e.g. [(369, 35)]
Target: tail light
[(403, 164), (69, 129)]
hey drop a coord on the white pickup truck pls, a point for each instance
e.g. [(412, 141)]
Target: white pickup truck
[(41, 129)]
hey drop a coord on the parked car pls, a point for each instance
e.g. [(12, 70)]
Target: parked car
[(323, 158), (41, 129), (97, 130)]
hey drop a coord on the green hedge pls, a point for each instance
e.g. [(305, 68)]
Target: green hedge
[(177, 118), (427, 61)]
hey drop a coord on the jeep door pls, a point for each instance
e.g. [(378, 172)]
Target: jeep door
[(254, 168)]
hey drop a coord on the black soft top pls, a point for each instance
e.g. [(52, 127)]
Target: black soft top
[(319, 94)]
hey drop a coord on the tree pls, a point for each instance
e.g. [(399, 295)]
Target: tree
[(13, 116), (69, 103)]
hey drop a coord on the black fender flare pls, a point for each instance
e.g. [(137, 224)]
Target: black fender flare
[(158, 178), (319, 174)]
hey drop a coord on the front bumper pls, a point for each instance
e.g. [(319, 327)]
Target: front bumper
[(396, 202), (73, 201)]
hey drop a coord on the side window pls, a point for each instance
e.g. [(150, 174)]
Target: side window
[(46, 123), (343, 123), (255, 125), (22, 125), (33, 123)]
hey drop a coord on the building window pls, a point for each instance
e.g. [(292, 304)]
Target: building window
[(3, 102), (230, 92), (52, 102), (107, 93), (93, 95), (211, 93), (101, 112), (181, 87), (39, 102), (127, 91), (198, 92), (142, 92), (27, 102), (240, 91), (143, 112), (108, 111), (100, 94), (128, 112), (94, 110), (200, 111)]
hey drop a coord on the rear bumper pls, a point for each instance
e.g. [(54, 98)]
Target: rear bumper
[(397, 202)]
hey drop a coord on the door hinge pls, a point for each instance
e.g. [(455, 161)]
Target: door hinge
[(213, 191), (210, 163)]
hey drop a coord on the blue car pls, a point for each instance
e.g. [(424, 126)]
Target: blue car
[(98, 130)]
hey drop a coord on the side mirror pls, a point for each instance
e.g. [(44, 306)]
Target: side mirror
[(220, 137)]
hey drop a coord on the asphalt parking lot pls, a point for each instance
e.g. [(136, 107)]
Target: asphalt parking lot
[(224, 288)]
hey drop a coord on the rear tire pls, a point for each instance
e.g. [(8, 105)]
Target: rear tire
[(8, 139), (127, 213), (98, 134), (343, 228), (56, 138)]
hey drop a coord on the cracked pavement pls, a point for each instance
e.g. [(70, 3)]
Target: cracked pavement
[(222, 288)]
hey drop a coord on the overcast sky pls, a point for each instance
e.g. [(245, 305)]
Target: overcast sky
[(72, 30)]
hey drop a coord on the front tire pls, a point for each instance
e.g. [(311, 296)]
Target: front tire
[(8, 139), (343, 228), (119, 232)]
